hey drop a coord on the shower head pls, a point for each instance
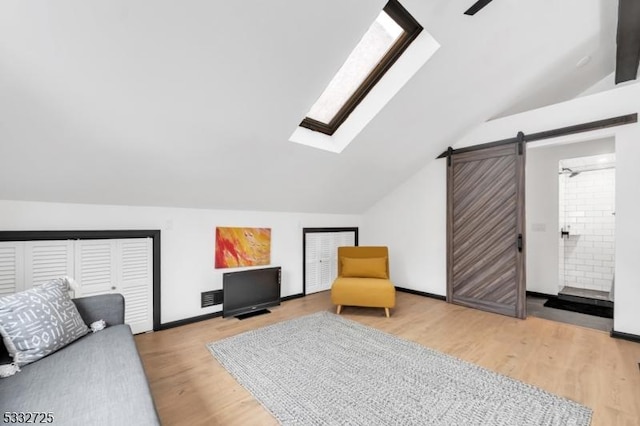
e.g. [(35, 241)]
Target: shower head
[(568, 171)]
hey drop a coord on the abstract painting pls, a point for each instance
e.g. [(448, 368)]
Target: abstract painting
[(242, 247)]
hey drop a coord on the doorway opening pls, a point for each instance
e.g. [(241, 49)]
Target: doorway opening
[(586, 188), (571, 232)]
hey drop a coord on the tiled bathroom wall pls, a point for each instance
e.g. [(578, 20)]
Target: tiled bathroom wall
[(587, 203)]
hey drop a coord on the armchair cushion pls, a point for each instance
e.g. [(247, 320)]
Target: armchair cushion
[(368, 292), (372, 267)]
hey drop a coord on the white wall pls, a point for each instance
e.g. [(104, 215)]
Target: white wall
[(627, 286), (543, 228), (187, 241), (410, 221), (421, 198)]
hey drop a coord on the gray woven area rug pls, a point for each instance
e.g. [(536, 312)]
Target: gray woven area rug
[(322, 369)]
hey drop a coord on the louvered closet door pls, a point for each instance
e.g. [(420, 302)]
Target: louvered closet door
[(135, 281), (326, 246), (318, 262), (95, 266), (11, 267), (46, 260), (485, 217), (321, 258), (312, 263), (122, 266)]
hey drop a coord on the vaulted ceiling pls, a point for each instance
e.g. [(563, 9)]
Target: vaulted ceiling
[(191, 103)]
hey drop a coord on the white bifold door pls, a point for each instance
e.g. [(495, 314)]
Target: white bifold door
[(11, 267), (29, 264), (122, 266), (321, 258)]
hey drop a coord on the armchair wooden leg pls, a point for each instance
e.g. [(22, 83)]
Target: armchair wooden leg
[(338, 309), (386, 311)]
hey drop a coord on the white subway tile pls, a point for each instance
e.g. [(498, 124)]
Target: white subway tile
[(587, 283), (591, 250), (602, 282), (602, 256), (585, 256), (594, 238), (593, 275), (603, 270), (603, 245)]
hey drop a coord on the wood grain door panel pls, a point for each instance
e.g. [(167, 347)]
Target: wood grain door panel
[(485, 217)]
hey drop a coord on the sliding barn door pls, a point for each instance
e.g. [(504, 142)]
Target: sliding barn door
[(485, 229)]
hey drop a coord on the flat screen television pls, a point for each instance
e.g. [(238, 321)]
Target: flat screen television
[(248, 293)]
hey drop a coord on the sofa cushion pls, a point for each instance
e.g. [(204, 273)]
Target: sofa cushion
[(98, 379), (370, 267), (37, 322)]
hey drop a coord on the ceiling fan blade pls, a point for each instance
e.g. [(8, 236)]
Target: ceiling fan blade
[(477, 6), (628, 51)]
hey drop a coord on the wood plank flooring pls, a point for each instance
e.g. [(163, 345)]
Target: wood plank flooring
[(586, 365)]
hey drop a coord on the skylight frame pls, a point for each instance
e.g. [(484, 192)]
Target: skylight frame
[(411, 29)]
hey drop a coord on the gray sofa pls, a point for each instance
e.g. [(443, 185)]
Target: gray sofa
[(96, 380)]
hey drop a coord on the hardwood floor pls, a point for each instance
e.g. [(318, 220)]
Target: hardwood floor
[(586, 365)]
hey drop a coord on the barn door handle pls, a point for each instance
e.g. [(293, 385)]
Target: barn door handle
[(520, 242)]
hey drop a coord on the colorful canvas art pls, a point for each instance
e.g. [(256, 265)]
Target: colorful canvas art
[(242, 247)]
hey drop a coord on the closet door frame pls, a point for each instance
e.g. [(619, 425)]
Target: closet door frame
[(306, 231), (154, 234)]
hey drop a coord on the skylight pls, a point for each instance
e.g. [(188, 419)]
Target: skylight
[(385, 40), (378, 40)]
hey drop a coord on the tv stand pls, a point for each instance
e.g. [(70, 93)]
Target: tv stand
[(253, 314)]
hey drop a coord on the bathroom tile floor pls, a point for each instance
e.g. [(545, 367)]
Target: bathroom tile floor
[(536, 308), (584, 292)]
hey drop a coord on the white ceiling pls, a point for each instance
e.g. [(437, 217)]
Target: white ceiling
[(191, 103)]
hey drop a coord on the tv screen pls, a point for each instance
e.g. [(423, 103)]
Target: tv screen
[(249, 291)]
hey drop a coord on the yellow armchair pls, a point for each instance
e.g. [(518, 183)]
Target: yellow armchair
[(363, 279)]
